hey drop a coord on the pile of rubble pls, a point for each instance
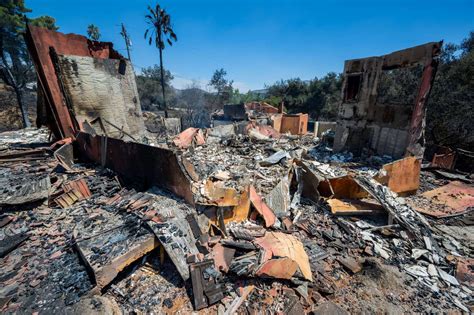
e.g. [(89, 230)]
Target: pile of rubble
[(254, 215), (269, 229)]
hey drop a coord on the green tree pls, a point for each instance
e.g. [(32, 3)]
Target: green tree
[(159, 31), (223, 88), (450, 113), (149, 89), (93, 32), (16, 68), (44, 21), (325, 96), (293, 92), (319, 98)]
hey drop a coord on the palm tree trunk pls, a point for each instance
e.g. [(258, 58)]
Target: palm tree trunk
[(163, 82)]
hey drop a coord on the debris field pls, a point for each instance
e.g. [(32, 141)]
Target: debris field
[(254, 215)]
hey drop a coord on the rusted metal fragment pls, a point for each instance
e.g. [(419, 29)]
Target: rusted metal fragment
[(206, 289), (310, 180), (238, 213), (189, 137), (344, 187), (444, 158), (222, 256), (416, 139), (39, 41), (350, 264), (402, 176), (190, 170), (156, 167), (465, 270), (279, 245), (218, 194), (241, 211), (262, 208), (65, 156), (455, 195), (281, 268), (354, 207)]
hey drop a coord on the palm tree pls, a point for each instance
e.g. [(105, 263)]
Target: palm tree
[(93, 32), (159, 31)]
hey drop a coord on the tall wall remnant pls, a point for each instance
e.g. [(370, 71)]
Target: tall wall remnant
[(104, 88), (81, 80), (374, 114)]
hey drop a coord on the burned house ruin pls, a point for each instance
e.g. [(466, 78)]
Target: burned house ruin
[(369, 118), (252, 216)]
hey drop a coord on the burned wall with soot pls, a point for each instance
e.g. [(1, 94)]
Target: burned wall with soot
[(384, 102), (104, 88)]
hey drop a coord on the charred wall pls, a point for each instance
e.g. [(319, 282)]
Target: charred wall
[(104, 88), (370, 120)]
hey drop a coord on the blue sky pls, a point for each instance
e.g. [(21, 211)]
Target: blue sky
[(259, 42)]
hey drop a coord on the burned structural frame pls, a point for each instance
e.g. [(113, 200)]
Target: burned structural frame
[(391, 129), (43, 44), (153, 166), (156, 167)]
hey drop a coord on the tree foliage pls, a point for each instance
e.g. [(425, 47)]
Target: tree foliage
[(223, 89), (149, 88), (318, 97), (158, 32), (16, 68), (450, 112), (93, 32)]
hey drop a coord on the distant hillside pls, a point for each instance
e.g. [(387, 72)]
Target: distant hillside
[(261, 93)]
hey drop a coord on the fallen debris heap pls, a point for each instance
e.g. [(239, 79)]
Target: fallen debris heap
[(266, 228), (239, 218)]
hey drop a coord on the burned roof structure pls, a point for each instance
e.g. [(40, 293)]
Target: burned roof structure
[(372, 117)]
